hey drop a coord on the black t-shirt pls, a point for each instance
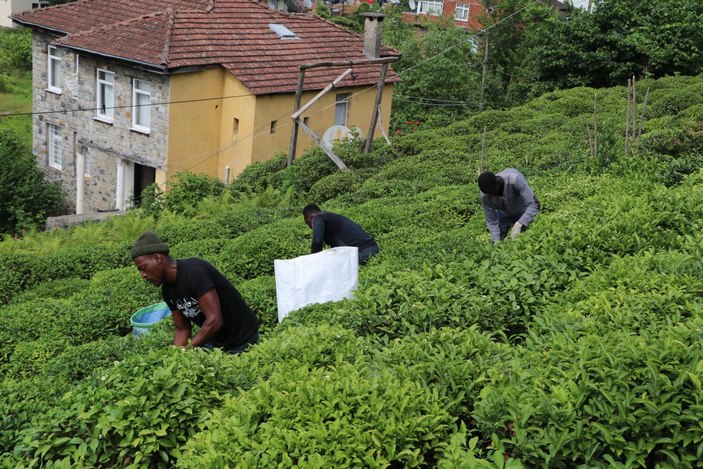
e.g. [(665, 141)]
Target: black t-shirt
[(337, 230), (194, 278)]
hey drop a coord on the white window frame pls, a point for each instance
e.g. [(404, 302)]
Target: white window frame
[(462, 12), (54, 57), (341, 108), (140, 93), (430, 7), (54, 146), (102, 101)]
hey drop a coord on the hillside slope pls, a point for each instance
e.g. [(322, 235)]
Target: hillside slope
[(579, 343)]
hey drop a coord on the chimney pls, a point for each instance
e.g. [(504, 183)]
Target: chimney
[(373, 30)]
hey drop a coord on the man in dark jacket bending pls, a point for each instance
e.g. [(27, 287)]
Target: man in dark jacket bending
[(337, 230)]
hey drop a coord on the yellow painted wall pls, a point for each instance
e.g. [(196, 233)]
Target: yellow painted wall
[(236, 147), (201, 133), (194, 122), (320, 117)]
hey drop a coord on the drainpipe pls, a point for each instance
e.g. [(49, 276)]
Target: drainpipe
[(80, 182), (119, 197)]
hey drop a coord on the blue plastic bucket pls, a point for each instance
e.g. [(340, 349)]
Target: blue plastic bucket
[(145, 318)]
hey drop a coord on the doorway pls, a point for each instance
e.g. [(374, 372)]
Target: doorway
[(143, 176)]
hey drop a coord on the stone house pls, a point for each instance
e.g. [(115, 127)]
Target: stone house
[(134, 92)]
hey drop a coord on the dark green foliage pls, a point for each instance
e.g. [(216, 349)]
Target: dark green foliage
[(617, 398), (206, 248), (113, 296), (138, 411), (239, 219), (24, 271), (59, 288), (252, 254), (26, 198), (339, 183), (188, 189), (179, 230), (260, 294), (16, 45), (452, 362), (258, 176), (349, 425)]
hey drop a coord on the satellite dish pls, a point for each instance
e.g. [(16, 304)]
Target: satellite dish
[(411, 4), (339, 133), (308, 4)]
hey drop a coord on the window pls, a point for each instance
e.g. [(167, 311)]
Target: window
[(54, 72), (55, 146), (141, 105), (273, 127), (306, 121), (341, 108), (429, 7), (235, 127), (462, 12), (105, 95)]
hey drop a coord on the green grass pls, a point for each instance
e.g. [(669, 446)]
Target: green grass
[(17, 98)]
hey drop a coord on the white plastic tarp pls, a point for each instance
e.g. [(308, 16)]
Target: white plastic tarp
[(329, 275)]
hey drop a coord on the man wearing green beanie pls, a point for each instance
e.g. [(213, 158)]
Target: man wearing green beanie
[(197, 293)]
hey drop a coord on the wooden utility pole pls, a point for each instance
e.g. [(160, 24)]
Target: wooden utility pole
[(376, 105), (294, 133), (483, 74)]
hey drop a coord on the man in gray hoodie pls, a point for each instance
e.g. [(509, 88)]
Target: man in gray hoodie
[(508, 201)]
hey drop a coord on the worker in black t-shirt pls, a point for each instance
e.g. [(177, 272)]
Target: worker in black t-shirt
[(337, 230), (197, 293)]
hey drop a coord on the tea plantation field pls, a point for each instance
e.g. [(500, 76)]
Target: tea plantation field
[(579, 344)]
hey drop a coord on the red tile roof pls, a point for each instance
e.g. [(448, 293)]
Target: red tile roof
[(235, 34)]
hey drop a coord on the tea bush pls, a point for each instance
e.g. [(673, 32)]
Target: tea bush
[(239, 219), (139, 411), (601, 400), (46, 319), (258, 176), (252, 254), (451, 362), (182, 229), (321, 418), (59, 288), (260, 294), (341, 182), (24, 271), (207, 248), (315, 346)]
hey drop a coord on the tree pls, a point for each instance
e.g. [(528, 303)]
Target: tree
[(619, 39), (440, 81), (26, 198)]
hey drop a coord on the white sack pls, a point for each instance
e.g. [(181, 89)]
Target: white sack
[(329, 275)]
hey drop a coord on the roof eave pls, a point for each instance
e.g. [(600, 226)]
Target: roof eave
[(40, 27), (157, 68)]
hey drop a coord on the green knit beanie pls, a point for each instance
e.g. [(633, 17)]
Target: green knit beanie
[(148, 243)]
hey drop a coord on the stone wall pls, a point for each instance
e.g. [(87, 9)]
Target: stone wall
[(103, 144)]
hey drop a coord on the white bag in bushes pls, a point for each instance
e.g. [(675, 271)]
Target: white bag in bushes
[(329, 275)]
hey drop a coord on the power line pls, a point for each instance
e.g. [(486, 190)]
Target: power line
[(93, 109)]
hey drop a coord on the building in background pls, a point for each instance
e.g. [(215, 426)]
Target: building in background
[(128, 93), (10, 7)]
